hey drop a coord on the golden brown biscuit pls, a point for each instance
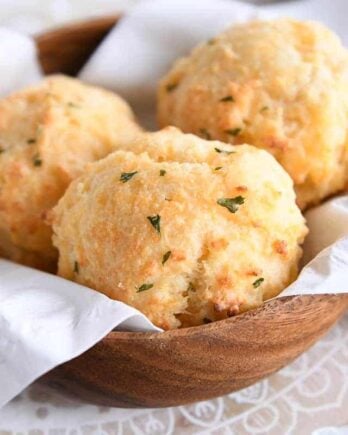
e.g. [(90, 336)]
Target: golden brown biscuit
[(47, 135), (187, 232), (281, 86)]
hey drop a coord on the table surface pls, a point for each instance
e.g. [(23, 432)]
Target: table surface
[(308, 397)]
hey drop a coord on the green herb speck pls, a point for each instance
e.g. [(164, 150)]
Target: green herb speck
[(126, 176), (73, 105), (227, 99), (258, 282), (155, 222), (31, 141), (76, 267), (232, 204), (37, 161), (166, 256), (211, 41), (144, 287), (218, 168), (233, 131), (162, 173), (171, 87), (218, 150)]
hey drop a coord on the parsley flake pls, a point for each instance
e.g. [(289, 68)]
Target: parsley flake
[(162, 173), (37, 161), (227, 99), (144, 287), (76, 267), (233, 131), (73, 105), (126, 176), (205, 133), (231, 203), (218, 150), (31, 141), (166, 256), (171, 87), (155, 222), (258, 282), (218, 168), (211, 41)]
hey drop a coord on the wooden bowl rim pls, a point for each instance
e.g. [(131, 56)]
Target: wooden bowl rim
[(219, 324)]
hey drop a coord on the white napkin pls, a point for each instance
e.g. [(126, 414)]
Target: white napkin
[(143, 45), (19, 66), (46, 320), (333, 215)]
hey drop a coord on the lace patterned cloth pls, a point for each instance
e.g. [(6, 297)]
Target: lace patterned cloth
[(309, 396)]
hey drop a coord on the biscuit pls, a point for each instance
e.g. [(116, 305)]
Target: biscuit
[(47, 134), (185, 230), (279, 85)]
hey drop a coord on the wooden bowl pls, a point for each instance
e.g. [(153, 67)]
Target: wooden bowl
[(130, 369)]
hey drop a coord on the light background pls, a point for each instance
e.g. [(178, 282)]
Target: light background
[(33, 16)]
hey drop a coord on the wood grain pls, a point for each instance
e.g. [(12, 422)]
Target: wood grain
[(177, 367)]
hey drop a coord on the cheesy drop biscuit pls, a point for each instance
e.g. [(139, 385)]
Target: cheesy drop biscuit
[(47, 135), (279, 85), (187, 231)]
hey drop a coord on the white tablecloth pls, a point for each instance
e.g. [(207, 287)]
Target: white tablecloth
[(308, 397)]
